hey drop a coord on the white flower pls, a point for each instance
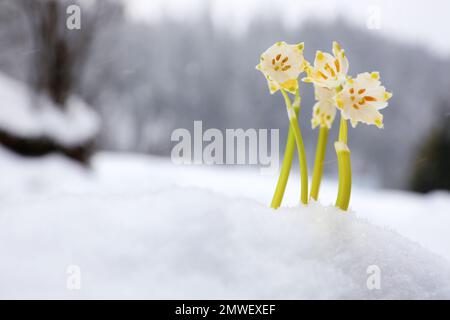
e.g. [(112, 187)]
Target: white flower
[(282, 64), (361, 98), (324, 111), (328, 71)]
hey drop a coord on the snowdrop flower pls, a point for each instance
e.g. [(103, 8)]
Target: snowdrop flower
[(361, 98), (328, 71), (281, 64), (324, 111)]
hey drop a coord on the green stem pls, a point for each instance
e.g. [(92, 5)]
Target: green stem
[(345, 169), (285, 168), (287, 159), (343, 131), (318, 162), (300, 148)]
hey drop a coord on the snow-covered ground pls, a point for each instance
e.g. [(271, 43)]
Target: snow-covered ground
[(141, 227), (28, 115)]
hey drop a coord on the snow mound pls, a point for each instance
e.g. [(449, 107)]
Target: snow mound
[(27, 115), (190, 243)]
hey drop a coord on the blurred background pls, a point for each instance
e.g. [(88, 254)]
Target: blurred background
[(138, 69)]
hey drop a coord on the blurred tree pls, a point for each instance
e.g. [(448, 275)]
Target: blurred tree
[(56, 62), (59, 53), (432, 166)]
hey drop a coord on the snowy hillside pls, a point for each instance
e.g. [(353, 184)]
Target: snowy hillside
[(140, 227)]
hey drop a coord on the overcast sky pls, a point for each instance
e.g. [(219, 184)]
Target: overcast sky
[(424, 22)]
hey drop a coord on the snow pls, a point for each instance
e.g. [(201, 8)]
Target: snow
[(141, 227), (28, 115)]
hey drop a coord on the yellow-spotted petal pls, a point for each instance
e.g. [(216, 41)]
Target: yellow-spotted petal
[(282, 64), (361, 99), (324, 112), (273, 86), (328, 71)]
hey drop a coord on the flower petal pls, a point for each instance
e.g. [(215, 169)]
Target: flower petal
[(324, 112), (361, 98), (329, 71), (282, 63)]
